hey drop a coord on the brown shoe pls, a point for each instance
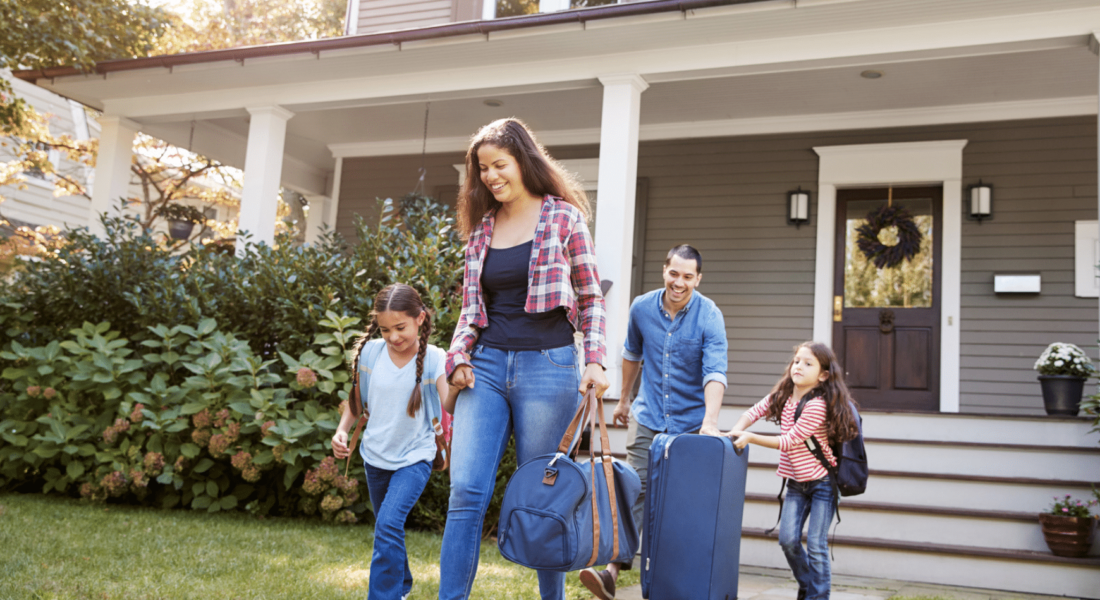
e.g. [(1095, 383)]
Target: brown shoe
[(600, 583)]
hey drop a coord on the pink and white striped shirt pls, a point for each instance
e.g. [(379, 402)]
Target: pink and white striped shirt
[(795, 460)]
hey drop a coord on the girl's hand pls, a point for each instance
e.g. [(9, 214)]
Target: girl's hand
[(463, 377), (594, 376), (739, 438), (340, 445)]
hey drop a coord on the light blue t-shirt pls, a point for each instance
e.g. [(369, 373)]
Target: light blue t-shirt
[(392, 440)]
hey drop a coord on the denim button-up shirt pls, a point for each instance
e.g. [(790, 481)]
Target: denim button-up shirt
[(682, 355)]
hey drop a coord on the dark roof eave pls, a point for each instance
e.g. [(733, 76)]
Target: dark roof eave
[(376, 39)]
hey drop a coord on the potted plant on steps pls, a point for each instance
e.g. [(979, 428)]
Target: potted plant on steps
[(181, 219), (1068, 527), (1063, 369)]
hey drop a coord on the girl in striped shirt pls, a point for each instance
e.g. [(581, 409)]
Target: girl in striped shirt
[(815, 375)]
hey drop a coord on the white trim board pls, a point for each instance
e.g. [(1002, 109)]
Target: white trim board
[(909, 117), (937, 163)]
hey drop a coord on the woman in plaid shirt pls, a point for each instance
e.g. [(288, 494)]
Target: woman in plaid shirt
[(530, 283)]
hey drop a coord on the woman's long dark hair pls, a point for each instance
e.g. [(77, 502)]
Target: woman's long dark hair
[(542, 175), (403, 299), (840, 423)]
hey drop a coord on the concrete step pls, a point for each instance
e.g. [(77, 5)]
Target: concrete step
[(918, 524), (944, 490), (970, 458), (1019, 571)]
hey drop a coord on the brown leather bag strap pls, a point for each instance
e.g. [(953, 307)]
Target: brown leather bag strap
[(609, 475), (592, 403), (571, 431)]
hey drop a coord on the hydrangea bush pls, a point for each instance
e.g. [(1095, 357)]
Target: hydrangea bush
[(1064, 359), (206, 380)]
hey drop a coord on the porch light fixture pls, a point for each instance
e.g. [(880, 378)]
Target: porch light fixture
[(871, 74), (493, 102), (798, 207), (981, 201)]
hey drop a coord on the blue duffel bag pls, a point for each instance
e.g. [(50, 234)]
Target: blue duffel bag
[(561, 515)]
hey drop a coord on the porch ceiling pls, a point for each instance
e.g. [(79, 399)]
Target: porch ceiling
[(766, 66)]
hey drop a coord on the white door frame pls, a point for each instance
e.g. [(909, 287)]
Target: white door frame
[(908, 163)]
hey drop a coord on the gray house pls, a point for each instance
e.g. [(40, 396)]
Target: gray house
[(764, 132)]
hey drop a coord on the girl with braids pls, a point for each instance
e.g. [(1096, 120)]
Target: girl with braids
[(399, 442), (530, 283), (815, 381)]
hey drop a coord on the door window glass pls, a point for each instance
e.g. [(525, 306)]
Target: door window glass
[(907, 285)]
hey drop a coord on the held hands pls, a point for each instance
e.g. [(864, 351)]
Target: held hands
[(340, 445), (593, 377), (462, 377)]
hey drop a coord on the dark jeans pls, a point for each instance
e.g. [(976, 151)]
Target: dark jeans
[(813, 501), (392, 494)]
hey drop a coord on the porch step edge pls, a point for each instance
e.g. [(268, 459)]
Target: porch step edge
[(974, 513), (996, 553)]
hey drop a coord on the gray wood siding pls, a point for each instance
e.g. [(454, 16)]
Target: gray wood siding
[(727, 197), (386, 15)]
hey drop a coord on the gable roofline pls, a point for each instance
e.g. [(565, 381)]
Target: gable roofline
[(580, 15)]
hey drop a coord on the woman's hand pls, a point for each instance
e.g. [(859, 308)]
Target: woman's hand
[(594, 376), (463, 377), (340, 445)]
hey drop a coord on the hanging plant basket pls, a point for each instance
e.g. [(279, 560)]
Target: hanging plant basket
[(882, 255), (1067, 536), (180, 230)]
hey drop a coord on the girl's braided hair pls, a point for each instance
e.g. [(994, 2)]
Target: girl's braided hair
[(400, 298), (840, 423)]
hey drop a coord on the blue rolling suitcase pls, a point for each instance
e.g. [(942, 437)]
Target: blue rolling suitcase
[(694, 502)]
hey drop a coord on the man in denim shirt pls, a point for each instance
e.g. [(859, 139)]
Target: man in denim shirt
[(681, 337)]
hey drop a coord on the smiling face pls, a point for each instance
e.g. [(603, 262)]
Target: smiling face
[(681, 278), (806, 371), (401, 332), (501, 174)]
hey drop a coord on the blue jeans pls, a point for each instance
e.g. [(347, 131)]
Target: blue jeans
[(812, 500), (532, 393), (392, 494)]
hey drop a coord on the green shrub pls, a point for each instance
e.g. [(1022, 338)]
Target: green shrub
[(210, 381)]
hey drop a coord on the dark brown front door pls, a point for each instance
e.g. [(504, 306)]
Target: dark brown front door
[(886, 320)]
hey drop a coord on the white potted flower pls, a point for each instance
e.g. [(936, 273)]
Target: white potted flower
[(1063, 369)]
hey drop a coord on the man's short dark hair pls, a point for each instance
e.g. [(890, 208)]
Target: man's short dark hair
[(687, 253)]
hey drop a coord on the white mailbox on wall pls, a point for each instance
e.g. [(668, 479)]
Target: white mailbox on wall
[(1031, 283)]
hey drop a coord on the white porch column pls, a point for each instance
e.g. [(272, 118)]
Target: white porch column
[(263, 167), (618, 175), (334, 196), (1094, 45), (112, 168), (318, 208)]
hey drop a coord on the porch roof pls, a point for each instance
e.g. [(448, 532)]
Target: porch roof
[(722, 68)]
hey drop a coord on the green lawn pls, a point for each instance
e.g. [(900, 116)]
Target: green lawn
[(56, 548)]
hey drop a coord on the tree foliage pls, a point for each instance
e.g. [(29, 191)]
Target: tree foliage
[(199, 25)]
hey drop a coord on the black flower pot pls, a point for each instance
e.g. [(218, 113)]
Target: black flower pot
[(180, 230), (1062, 393)]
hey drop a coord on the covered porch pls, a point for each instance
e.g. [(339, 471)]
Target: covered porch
[(696, 124)]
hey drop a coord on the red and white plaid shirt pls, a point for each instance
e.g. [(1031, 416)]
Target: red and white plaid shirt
[(795, 460), (562, 273)]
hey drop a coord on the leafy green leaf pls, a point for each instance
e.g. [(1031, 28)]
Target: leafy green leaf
[(204, 465)]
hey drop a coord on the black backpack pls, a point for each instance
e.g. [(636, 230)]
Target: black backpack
[(850, 474)]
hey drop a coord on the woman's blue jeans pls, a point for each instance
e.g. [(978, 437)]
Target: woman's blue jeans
[(531, 393), (812, 501), (392, 494)]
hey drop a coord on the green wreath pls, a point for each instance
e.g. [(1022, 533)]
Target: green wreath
[(909, 237)]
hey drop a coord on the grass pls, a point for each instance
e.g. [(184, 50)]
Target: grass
[(60, 549)]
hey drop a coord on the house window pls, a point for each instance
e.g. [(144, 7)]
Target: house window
[(50, 155), (211, 213), (514, 8)]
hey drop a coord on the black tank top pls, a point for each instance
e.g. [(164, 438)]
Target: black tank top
[(504, 287)]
